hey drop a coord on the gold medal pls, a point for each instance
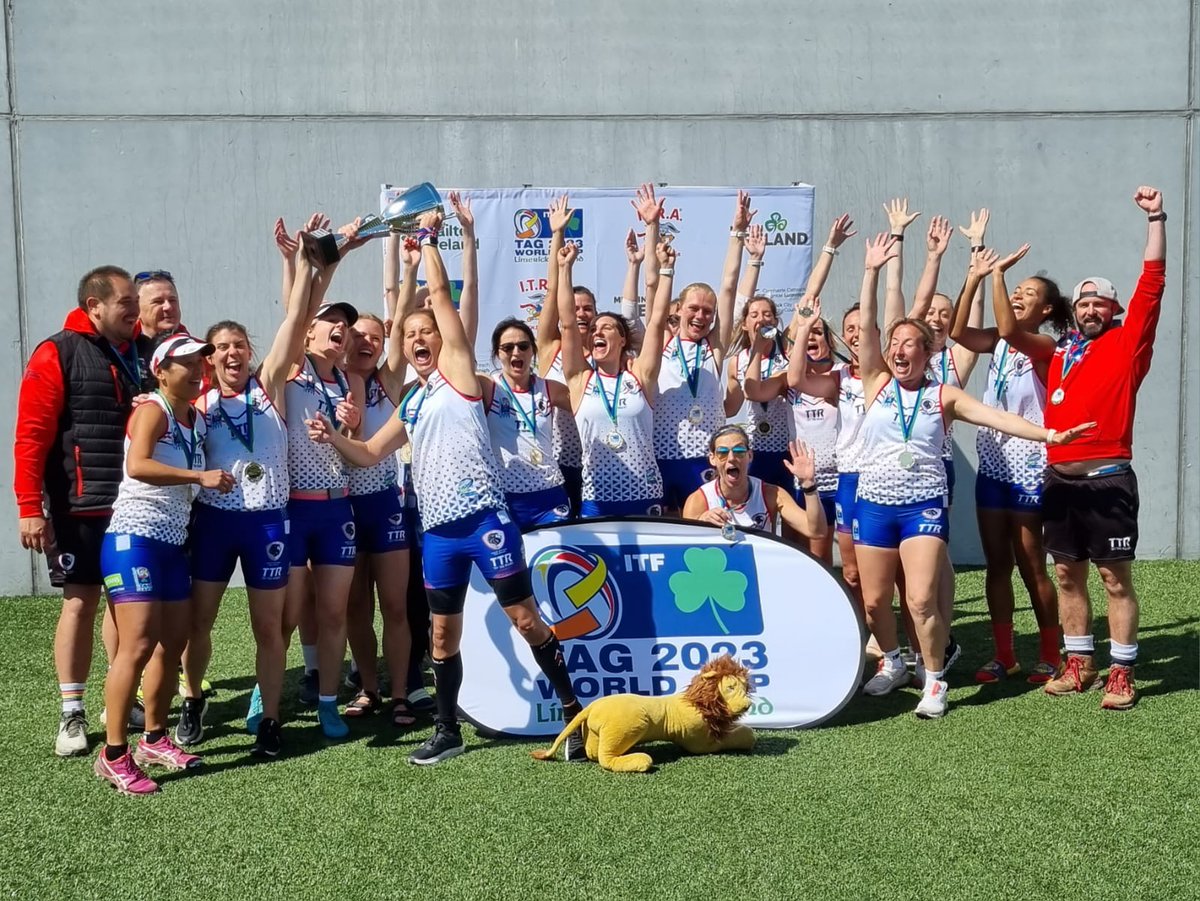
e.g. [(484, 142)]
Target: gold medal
[(535, 456), (254, 471), (406, 453)]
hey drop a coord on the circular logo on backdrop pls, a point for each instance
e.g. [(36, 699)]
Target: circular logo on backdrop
[(527, 224), (575, 592)]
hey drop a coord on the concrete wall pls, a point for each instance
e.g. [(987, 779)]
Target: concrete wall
[(171, 137)]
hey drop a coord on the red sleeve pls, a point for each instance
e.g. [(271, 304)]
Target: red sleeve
[(38, 410), (1141, 320)]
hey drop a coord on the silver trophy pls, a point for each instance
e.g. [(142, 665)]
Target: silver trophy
[(398, 217)]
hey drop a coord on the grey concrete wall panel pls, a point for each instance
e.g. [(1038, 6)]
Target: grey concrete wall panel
[(622, 58), (1188, 329)]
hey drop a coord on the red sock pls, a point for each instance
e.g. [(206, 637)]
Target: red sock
[(1002, 634), (1048, 641)]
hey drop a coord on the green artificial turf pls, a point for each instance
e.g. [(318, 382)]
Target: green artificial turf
[(1012, 795)]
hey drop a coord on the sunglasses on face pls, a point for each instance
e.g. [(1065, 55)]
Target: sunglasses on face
[(738, 450), (515, 345), (152, 274)]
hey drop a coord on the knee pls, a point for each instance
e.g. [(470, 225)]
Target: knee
[(137, 650), (80, 608), (1115, 585), (441, 637)]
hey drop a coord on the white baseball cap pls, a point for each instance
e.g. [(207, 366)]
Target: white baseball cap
[(177, 346), (346, 309), (1104, 289)]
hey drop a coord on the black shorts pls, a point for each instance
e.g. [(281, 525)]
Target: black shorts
[(1090, 518), (77, 560)]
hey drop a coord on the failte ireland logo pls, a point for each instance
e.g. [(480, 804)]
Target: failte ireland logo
[(575, 592)]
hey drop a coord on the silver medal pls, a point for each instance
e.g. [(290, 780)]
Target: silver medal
[(406, 453), (695, 415), (729, 531), (769, 332), (1058, 396), (614, 440), (906, 459)]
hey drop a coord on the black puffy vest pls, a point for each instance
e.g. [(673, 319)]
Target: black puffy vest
[(85, 468)]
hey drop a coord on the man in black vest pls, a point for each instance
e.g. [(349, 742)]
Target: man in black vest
[(75, 399)]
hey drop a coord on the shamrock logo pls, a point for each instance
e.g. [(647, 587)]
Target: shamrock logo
[(776, 223), (707, 581), (574, 223)]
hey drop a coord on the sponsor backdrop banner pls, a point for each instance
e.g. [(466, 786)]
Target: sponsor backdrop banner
[(513, 234), (642, 605)]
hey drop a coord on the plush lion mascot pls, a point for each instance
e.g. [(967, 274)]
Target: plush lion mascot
[(702, 720)]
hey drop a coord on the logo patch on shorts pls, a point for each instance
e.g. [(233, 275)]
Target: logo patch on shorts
[(66, 562), (654, 510), (932, 513), (396, 519), (837, 514), (348, 530), (141, 579), (114, 582), (275, 550), (494, 539), (854, 530), (562, 510)]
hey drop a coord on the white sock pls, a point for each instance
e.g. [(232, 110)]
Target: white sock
[(1079, 644), (893, 661), (71, 694), (1123, 654), (933, 676), (310, 657)]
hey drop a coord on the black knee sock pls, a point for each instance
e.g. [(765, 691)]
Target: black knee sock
[(549, 656), (156, 736), (115, 752), (447, 678)]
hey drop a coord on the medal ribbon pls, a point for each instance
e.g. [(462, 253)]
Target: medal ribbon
[(692, 375), (1074, 353), (770, 361), (411, 421), (129, 362), (330, 406), (610, 408), (189, 448), (945, 365), (1002, 373), (531, 419), (907, 426), (246, 436)]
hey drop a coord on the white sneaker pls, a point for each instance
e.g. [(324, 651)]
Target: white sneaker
[(72, 739), (887, 678), (932, 705)]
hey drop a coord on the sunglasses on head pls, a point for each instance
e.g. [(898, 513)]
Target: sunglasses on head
[(738, 450), (510, 346), (152, 274)]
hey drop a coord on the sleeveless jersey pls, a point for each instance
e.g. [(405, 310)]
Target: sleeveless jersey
[(852, 406), (751, 515), (1013, 386), (161, 512), (385, 474), (675, 437), (815, 422), (513, 445), (565, 447), (629, 474), (773, 437), (882, 479), (944, 372), (454, 472), (313, 467), (225, 418)]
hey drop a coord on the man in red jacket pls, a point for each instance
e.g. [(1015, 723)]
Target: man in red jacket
[(75, 399), (1090, 499)]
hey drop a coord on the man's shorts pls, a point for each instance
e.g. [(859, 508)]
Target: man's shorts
[(887, 525), (322, 532), (380, 521), (844, 500), (76, 559), (1090, 518), (144, 569), (993, 494), (681, 477), (258, 538)]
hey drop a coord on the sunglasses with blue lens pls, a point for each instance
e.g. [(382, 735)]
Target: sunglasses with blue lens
[(153, 274), (738, 450)]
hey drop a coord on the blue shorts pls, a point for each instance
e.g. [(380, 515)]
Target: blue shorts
[(948, 462), (323, 532), (844, 501), (258, 538), (597, 509), (538, 508), (993, 494), (828, 501), (887, 525), (489, 539), (681, 477), (381, 523), (143, 569), (573, 483), (768, 466)]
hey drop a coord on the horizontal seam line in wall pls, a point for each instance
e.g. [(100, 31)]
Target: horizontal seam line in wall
[(1182, 112)]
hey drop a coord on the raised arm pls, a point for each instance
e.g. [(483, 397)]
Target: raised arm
[(759, 389), (842, 228), (960, 405), (287, 246), (649, 358), (548, 319), (1145, 304), (937, 239), (899, 219), (964, 326), (649, 210), (456, 360), (289, 339), (738, 231), (800, 377), (468, 300), (401, 300), (870, 353), (810, 520), (629, 296), (574, 361)]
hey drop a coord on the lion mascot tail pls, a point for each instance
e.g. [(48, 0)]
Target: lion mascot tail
[(548, 753)]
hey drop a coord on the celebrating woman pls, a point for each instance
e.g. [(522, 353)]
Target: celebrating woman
[(144, 565)]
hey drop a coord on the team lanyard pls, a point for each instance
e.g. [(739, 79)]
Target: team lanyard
[(330, 407), (246, 436), (411, 421), (1003, 372), (907, 426), (610, 407), (189, 447), (692, 375), (530, 420), (132, 369), (1074, 353)]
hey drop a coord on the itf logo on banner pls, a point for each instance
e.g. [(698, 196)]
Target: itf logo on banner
[(532, 233)]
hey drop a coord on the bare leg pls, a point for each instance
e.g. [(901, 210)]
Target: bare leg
[(73, 635), (923, 558), (270, 657), (162, 672), (206, 601)]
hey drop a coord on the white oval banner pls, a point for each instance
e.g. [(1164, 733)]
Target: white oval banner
[(642, 604)]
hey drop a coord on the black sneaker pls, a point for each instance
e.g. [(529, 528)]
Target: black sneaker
[(353, 680), (137, 716), (190, 729), (309, 690), (267, 743), (573, 748), (953, 652), (446, 742)]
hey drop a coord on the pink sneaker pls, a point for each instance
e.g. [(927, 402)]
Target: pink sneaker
[(165, 753), (125, 775)]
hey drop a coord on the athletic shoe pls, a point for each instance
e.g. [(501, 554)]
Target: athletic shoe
[(72, 740), (421, 702), (932, 705), (446, 742), (190, 729), (1119, 690), (1041, 673), (331, 721), (268, 743), (573, 747), (887, 678), (309, 691), (953, 652), (137, 716), (206, 688), (165, 753), (1076, 675), (353, 679), (995, 671), (254, 716), (124, 774)]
